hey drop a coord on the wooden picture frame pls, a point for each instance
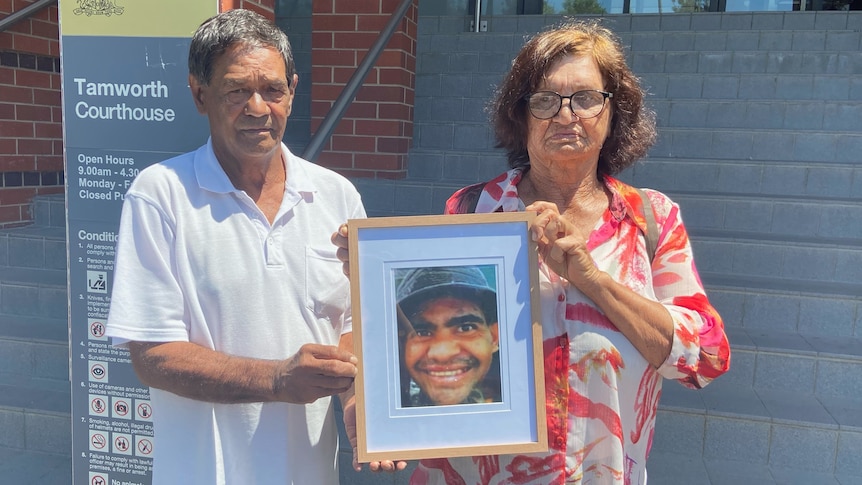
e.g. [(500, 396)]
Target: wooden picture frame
[(407, 396)]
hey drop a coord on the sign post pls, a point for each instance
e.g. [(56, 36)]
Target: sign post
[(126, 105)]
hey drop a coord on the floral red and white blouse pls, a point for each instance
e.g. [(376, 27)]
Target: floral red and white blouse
[(601, 394)]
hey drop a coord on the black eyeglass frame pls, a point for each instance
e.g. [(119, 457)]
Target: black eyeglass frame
[(605, 96)]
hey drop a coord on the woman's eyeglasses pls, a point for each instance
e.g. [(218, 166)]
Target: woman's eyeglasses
[(584, 104)]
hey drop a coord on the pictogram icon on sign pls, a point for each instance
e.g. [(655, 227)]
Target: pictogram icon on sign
[(98, 405), (121, 407), (121, 443), (144, 411), (98, 371), (98, 480), (97, 282), (98, 441), (145, 446), (97, 329)]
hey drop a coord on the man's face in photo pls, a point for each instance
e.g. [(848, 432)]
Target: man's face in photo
[(450, 349)]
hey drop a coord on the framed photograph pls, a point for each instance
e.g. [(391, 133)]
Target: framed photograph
[(446, 328)]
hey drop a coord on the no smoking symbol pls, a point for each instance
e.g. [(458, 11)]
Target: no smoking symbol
[(98, 441)]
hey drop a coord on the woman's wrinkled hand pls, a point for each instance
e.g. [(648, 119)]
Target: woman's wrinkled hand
[(562, 246)]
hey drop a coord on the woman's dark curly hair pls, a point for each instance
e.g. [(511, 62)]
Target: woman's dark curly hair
[(632, 130)]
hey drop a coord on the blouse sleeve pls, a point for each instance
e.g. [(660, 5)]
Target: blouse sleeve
[(700, 351)]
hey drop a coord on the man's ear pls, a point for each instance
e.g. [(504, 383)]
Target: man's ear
[(198, 94), (495, 335), (294, 82)]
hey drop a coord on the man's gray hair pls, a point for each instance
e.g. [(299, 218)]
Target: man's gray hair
[(218, 33)]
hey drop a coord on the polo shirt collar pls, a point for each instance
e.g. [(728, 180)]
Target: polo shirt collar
[(211, 176)]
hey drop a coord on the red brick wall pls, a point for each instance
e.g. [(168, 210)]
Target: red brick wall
[(31, 134), (374, 136), (372, 140), (263, 7)]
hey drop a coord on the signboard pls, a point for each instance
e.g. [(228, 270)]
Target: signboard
[(126, 105)]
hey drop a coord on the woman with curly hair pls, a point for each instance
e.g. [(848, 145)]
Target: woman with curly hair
[(622, 304)]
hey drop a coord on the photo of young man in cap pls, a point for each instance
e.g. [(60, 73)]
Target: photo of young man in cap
[(448, 336)]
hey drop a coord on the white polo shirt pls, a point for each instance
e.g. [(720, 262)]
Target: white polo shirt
[(198, 261)]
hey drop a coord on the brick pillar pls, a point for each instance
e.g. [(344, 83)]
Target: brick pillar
[(263, 7), (375, 134), (31, 130)]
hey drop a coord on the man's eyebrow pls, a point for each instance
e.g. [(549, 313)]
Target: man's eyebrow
[(466, 318), (233, 82)]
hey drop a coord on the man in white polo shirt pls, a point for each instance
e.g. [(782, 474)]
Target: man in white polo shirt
[(227, 290)]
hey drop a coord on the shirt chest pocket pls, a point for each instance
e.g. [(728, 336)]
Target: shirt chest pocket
[(327, 289)]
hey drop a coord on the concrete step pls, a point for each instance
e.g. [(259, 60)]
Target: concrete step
[(453, 169), (49, 210), (744, 37), (737, 144), (777, 265), (725, 26), (34, 347), (758, 309), (30, 292), (33, 247), (836, 114), (681, 467), (828, 368), (828, 224), (786, 181), (26, 467), (780, 409), (35, 414), (643, 33), (779, 63), (35, 392), (406, 197), (756, 87)]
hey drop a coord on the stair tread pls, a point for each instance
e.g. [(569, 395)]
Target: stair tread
[(670, 467), (28, 466), (39, 329), (35, 230), (765, 284), (35, 395), (34, 276), (798, 408), (732, 397), (835, 347)]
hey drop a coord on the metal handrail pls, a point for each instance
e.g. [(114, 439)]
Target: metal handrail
[(314, 147), (24, 13)]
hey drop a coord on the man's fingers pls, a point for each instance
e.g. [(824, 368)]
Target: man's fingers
[(330, 384), (328, 353), (343, 255), (339, 239)]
